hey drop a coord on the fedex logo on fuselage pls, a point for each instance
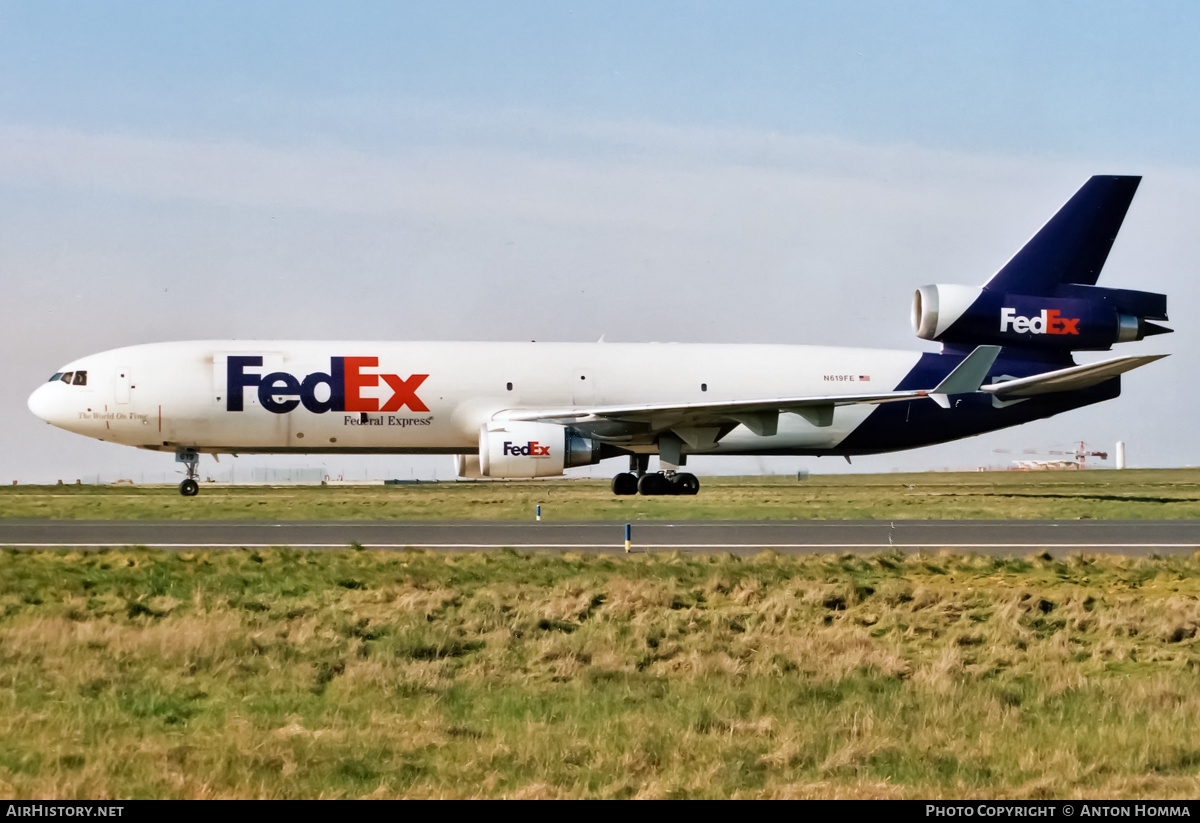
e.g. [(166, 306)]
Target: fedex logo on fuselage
[(1048, 322), (345, 381), (530, 449)]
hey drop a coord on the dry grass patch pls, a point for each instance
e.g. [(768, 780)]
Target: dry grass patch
[(368, 674)]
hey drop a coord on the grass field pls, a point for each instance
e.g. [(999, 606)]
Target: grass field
[(1131, 494), (286, 674)]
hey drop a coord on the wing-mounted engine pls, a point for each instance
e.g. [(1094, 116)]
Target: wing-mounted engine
[(1046, 296), (510, 448)]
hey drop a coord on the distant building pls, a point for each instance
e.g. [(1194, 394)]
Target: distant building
[(1047, 465)]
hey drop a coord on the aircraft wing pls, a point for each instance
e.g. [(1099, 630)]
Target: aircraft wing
[(726, 409), (1075, 377), (760, 415)]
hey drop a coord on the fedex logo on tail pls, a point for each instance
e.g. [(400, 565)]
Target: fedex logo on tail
[(530, 449), (1048, 322), (345, 381)]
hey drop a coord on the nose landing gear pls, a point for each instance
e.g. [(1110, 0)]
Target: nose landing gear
[(190, 458)]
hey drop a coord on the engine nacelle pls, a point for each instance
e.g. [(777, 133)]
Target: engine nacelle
[(519, 449), (467, 465), (935, 308), (1076, 317)]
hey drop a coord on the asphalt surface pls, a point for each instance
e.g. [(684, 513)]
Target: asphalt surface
[(998, 537)]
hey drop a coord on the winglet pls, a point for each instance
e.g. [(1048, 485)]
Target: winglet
[(967, 376)]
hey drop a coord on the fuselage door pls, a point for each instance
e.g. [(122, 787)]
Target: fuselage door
[(122, 393), (583, 387)]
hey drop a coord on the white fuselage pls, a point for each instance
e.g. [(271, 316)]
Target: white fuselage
[(433, 397)]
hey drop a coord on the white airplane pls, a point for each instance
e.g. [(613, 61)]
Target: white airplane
[(517, 410)]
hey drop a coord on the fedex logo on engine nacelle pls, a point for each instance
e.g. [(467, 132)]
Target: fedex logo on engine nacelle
[(1048, 322), (345, 381), (530, 449)]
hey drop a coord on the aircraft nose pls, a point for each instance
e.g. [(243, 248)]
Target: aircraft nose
[(42, 403)]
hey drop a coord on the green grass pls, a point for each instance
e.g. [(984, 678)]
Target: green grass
[(287, 674), (1131, 494)]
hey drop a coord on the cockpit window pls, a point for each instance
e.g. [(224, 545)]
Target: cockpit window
[(66, 378), (57, 376), (80, 379)]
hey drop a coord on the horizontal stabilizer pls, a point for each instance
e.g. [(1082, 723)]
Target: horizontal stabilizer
[(1071, 379), (969, 375)]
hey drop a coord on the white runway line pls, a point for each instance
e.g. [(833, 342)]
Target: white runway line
[(610, 545)]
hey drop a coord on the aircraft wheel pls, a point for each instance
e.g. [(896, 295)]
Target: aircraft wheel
[(189, 488), (649, 484), (625, 483), (685, 483)]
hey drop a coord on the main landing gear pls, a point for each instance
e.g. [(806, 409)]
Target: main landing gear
[(655, 483), (638, 481), (625, 483), (191, 461)]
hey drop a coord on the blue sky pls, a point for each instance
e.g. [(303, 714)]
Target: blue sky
[(758, 172), (1019, 77)]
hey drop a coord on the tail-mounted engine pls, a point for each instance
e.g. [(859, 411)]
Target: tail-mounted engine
[(518, 449), (1075, 317), (1046, 296)]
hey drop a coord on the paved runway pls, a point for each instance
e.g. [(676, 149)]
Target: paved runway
[(1001, 537)]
